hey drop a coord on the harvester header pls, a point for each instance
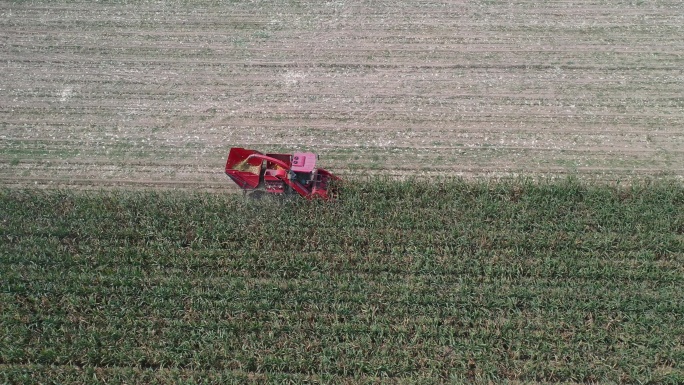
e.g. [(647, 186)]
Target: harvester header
[(279, 173)]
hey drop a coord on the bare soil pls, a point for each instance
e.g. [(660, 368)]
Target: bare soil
[(153, 94)]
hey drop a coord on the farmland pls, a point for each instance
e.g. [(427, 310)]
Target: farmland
[(514, 281), (528, 225), (154, 93)]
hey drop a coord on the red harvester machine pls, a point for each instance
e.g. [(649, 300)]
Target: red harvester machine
[(279, 173)]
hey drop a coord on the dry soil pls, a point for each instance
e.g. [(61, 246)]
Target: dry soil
[(154, 93)]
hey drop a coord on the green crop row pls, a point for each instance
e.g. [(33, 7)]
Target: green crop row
[(397, 281)]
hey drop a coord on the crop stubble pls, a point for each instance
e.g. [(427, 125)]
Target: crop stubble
[(154, 94)]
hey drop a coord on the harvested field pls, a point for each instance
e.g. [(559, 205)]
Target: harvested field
[(153, 94)]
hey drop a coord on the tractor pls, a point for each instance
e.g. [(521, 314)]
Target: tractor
[(280, 174)]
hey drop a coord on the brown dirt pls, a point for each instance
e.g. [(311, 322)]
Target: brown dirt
[(154, 95)]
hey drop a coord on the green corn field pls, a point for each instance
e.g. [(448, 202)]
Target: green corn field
[(395, 282)]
